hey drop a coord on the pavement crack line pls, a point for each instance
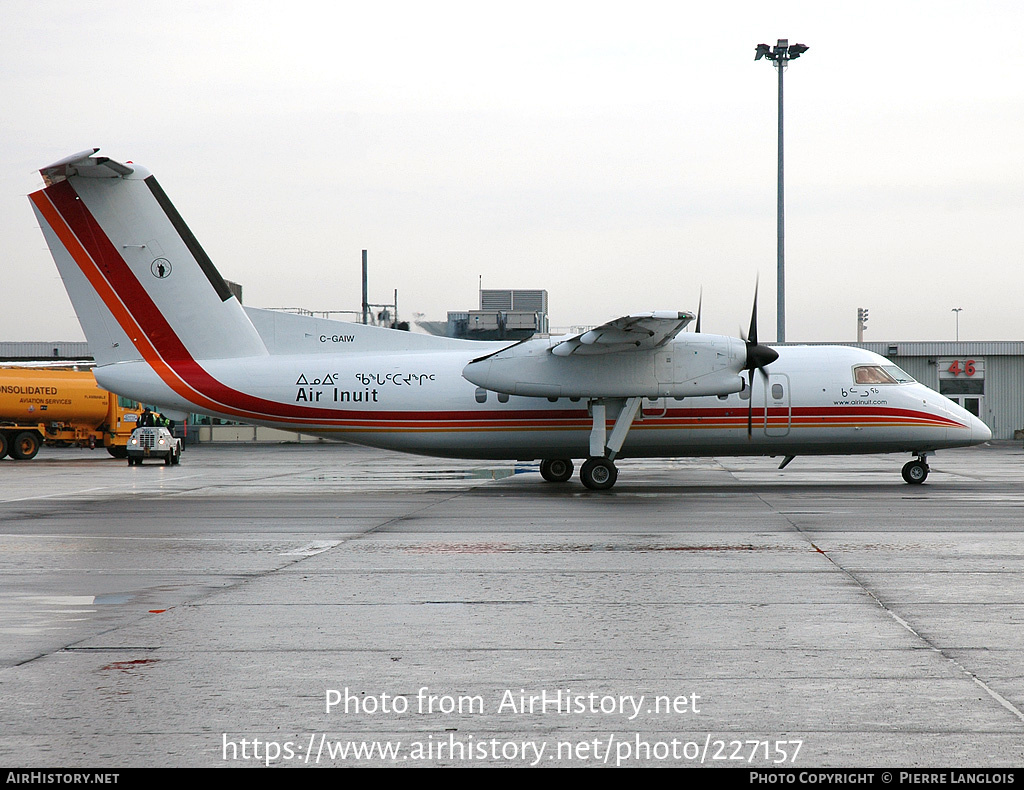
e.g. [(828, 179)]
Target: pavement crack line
[(995, 695)]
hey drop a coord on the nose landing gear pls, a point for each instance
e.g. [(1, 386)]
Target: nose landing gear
[(916, 472)]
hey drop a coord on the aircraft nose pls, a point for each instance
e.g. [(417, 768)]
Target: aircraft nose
[(979, 431)]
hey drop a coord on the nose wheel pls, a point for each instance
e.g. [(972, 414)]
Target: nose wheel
[(916, 472), (598, 474)]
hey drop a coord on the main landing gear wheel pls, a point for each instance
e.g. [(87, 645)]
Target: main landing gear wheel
[(556, 470), (915, 472), (598, 474)]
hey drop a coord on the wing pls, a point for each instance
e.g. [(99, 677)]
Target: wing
[(641, 332)]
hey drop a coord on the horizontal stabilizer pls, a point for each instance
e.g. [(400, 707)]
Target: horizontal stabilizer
[(84, 164)]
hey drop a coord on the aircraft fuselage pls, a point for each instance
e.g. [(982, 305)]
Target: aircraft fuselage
[(421, 403)]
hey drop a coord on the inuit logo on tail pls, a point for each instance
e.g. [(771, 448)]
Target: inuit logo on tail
[(161, 268)]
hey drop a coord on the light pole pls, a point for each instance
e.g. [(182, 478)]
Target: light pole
[(780, 55), (862, 319), (957, 311)]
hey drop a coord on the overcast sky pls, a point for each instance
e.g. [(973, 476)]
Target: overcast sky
[(622, 156)]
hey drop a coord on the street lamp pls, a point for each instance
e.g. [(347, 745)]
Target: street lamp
[(780, 55), (957, 311)]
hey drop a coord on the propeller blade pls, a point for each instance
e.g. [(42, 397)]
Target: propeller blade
[(700, 303), (750, 407), (758, 356), (752, 334)]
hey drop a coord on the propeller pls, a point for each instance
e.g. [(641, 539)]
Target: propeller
[(700, 302), (758, 358)]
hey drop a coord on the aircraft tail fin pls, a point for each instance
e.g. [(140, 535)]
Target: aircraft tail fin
[(140, 282)]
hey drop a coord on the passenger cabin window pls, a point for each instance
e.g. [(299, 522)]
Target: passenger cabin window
[(777, 391), (872, 374), (481, 395)]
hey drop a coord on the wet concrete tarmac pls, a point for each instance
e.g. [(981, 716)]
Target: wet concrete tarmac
[(305, 604)]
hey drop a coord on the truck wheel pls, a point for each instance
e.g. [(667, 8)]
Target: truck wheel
[(3, 445), (177, 456), (25, 446)]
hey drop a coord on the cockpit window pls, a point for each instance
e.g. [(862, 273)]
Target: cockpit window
[(872, 374), (901, 376), (881, 374)]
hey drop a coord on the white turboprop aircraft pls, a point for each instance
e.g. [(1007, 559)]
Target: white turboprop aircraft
[(164, 329)]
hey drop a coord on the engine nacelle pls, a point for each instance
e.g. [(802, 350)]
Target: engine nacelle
[(692, 365)]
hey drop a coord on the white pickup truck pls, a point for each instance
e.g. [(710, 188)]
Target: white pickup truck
[(153, 443)]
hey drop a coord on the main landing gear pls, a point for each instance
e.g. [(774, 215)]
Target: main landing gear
[(916, 472), (598, 472), (557, 470)]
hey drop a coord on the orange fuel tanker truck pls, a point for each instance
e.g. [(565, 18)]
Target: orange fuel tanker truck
[(60, 407)]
